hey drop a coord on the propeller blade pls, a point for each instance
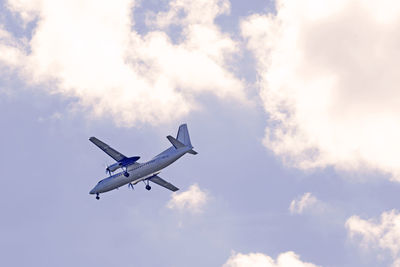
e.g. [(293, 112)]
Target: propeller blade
[(107, 169)]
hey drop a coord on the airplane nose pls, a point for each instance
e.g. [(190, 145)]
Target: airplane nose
[(92, 191)]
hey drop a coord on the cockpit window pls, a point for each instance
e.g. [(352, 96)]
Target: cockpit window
[(106, 179)]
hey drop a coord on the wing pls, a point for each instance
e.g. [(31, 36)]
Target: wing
[(157, 180), (107, 149)]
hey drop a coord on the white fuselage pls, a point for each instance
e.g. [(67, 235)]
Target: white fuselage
[(140, 171)]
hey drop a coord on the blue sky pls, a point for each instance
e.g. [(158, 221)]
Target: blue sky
[(297, 163)]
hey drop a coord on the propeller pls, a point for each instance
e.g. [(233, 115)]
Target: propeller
[(107, 169)]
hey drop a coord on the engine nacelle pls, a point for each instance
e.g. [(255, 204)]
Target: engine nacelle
[(113, 167), (128, 161)]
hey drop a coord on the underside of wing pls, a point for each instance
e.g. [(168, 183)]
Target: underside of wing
[(107, 149), (157, 180)]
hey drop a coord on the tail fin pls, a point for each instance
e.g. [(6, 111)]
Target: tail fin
[(183, 137)]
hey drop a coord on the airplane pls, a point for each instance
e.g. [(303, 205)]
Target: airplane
[(134, 172)]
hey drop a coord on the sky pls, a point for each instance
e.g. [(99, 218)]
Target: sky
[(293, 107)]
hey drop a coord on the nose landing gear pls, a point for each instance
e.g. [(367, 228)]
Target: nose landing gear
[(97, 196)]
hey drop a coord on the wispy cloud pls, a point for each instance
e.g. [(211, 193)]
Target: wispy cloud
[(88, 50), (305, 203), (193, 200), (328, 80), (287, 259), (379, 235)]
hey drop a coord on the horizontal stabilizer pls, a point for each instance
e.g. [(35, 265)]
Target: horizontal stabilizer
[(175, 142), (192, 152), (157, 180)]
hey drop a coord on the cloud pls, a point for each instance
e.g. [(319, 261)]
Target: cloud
[(328, 78), (378, 235), (11, 50), (90, 51), (53, 117), (306, 202), (193, 200), (287, 259)]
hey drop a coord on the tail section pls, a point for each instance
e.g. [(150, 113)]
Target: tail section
[(192, 152), (183, 137), (175, 142)]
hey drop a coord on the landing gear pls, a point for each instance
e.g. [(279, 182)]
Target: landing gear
[(126, 173), (146, 182), (131, 186), (97, 196)]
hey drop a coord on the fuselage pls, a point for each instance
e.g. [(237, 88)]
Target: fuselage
[(140, 171)]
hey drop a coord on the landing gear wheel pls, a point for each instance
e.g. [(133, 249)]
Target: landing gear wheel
[(148, 187), (126, 174), (97, 196)]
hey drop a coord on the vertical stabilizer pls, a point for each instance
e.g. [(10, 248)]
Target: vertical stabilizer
[(183, 135)]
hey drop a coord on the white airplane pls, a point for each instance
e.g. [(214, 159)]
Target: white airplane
[(134, 172)]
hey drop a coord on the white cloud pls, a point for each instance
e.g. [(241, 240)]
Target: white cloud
[(11, 50), (306, 202), (88, 50), (379, 235), (199, 12), (287, 259), (193, 200), (328, 75), (53, 117)]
